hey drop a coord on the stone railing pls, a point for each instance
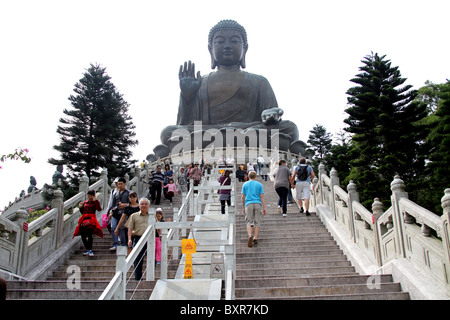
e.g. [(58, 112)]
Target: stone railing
[(404, 231), (32, 200), (24, 246)]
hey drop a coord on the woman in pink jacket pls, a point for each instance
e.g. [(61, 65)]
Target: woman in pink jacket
[(171, 190)]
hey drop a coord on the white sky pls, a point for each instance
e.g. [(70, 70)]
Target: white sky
[(308, 50)]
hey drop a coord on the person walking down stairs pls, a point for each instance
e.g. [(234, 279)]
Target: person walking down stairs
[(88, 224), (254, 206)]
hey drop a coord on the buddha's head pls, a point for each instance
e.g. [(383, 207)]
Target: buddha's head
[(227, 44)]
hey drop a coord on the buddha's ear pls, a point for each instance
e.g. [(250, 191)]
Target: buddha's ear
[(243, 65), (213, 62)]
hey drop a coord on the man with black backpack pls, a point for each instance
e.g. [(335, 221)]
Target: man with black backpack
[(301, 180)]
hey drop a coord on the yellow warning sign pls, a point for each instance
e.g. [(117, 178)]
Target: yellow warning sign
[(188, 271), (188, 246)]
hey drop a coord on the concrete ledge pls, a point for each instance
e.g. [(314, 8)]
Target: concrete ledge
[(412, 280), (187, 289), (419, 286)]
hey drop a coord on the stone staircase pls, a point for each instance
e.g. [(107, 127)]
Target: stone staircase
[(96, 273), (297, 258)]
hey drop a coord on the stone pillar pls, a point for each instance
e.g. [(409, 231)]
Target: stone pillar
[(334, 182), (150, 276), (84, 187), (377, 211), (22, 247), (105, 188), (121, 292), (321, 173), (58, 203), (445, 201), (398, 192), (353, 195)]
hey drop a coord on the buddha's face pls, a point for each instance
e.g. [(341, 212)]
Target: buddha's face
[(227, 48)]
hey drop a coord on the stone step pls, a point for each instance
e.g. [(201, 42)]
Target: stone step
[(72, 294), (282, 233), (293, 265), (84, 285), (240, 273), (259, 249), (324, 280), (315, 291), (276, 259)]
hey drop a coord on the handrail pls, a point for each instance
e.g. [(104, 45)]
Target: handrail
[(168, 232), (30, 244), (404, 231)]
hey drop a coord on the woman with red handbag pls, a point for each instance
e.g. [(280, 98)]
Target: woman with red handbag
[(88, 224)]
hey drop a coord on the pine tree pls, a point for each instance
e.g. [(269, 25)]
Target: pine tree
[(384, 123), (320, 141), (439, 138), (97, 132)]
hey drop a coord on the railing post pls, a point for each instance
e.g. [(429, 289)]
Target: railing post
[(84, 186), (58, 203), (321, 173), (445, 202), (151, 246), (191, 197), (137, 174), (398, 192), (22, 249), (334, 182), (175, 250), (105, 191), (353, 195), (184, 213), (164, 254), (377, 210), (230, 250), (120, 294)]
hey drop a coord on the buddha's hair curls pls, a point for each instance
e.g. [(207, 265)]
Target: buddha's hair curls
[(227, 25)]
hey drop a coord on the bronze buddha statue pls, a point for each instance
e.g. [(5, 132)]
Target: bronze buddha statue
[(228, 98)]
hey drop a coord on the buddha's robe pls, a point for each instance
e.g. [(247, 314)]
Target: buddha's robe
[(222, 103)]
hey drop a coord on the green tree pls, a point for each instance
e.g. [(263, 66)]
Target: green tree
[(438, 168), (97, 131), (387, 137), (339, 157), (320, 142)]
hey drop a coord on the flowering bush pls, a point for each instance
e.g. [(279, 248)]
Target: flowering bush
[(19, 154), (34, 214)]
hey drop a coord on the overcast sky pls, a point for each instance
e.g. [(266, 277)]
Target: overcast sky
[(308, 50)]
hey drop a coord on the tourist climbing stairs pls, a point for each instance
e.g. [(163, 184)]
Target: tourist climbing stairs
[(297, 258)]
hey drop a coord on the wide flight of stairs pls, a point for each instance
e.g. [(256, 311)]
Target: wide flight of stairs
[(297, 258), (96, 273)]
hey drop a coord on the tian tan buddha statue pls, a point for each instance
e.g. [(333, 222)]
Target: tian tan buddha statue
[(228, 98)]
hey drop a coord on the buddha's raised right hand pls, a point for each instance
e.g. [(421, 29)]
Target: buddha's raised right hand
[(189, 84)]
